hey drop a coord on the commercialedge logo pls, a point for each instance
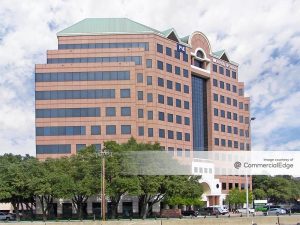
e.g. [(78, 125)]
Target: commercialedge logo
[(278, 165)]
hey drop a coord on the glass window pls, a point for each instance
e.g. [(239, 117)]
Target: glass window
[(223, 127), (159, 48), (170, 117), (110, 111), (217, 141), (229, 143), (160, 65), (140, 113), (227, 87), (95, 130), (186, 89), (125, 129), (246, 107), (179, 135), (185, 57), (150, 115), (177, 86), (170, 134), (216, 112), (161, 133), (233, 74), (168, 51), (110, 129), (185, 73), (178, 103), (178, 119), (234, 102), (215, 82), (149, 63), (215, 68), (234, 88), (141, 131), (80, 147), (139, 78), (149, 97), (177, 70), (222, 99), (241, 92), (216, 127), (186, 105), (170, 101), (222, 113), (227, 73), (223, 142), (125, 111), (177, 54), (228, 115), (235, 130), (169, 84), (221, 70), (229, 129), (140, 95), (228, 100), (242, 146), (186, 121), (242, 133), (215, 97), (187, 137), (161, 99), (150, 132), (160, 82), (222, 84), (241, 119), (149, 80), (161, 116), (125, 93), (235, 116), (169, 68), (236, 144)]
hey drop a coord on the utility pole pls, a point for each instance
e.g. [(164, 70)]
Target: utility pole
[(103, 154), (247, 182)]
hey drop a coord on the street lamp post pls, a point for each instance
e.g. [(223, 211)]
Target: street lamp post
[(247, 183), (103, 154)]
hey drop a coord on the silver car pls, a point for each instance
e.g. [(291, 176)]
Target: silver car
[(4, 216), (275, 211)]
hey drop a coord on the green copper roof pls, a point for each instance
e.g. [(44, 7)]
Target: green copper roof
[(218, 54), (185, 39), (96, 26)]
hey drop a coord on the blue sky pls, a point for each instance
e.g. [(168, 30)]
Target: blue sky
[(262, 36)]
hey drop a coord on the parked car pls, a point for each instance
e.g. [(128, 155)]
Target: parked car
[(9, 216), (295, 209), (207, 211), (275, 211), (194, 213), (221, 209), (268, 207), (244, 211)]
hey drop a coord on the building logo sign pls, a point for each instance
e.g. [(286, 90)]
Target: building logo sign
[(225, 64), (181, 48)]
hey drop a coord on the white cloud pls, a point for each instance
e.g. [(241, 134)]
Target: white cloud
[(250, 31)]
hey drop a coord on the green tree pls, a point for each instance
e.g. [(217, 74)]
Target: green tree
[(277, 189), (47, 180), (237, 197), (14, 181), (118, 183), (83, 177)]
